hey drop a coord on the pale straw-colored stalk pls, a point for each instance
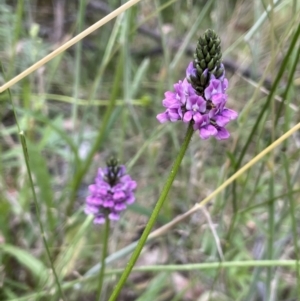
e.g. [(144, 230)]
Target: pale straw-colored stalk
[(68, 44), (199, 205)]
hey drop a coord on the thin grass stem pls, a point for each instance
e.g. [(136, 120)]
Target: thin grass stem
[(271, 228), (292, 210), (26, 157), (175, 268), (211, 265), (103, 257), (154, 214)]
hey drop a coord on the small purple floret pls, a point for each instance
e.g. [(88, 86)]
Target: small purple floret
[(110, 199), (207, 112)]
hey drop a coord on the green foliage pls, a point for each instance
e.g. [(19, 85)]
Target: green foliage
[(102, 96), (34, 265)]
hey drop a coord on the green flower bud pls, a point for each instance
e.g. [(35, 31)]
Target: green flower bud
[(211, 65), (203, 64), (207, 58), (200, 89), (218, 42), (209, 34), (202, 41), (213, 50), (199, 69), (199, 54), (203, 79)]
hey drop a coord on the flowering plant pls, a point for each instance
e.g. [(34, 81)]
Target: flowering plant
[(112, 191), (201, 97)]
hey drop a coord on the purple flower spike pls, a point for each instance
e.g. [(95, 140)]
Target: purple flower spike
[(205, 110), (200, 99), (112, 192)]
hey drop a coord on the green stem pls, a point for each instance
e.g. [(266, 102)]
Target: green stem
[(293, 213), (104, 254), (26, 157), (270, 243), (154, 214), (173, 268), (209, 266)]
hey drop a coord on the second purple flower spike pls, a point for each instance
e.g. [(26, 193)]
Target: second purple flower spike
[(201, 97), (112, 191)]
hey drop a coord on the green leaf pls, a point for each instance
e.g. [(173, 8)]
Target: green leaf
[(34, 265), (154, 289)]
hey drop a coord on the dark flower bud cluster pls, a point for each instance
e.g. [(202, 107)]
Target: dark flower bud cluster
[(112, 191), (207, 61), (201, 97)]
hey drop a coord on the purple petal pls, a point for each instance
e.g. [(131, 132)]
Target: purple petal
[(120, 207), (169, 94), (214, 87), (102, 172), (162, 117), (171, 103), (229, 113), (173, 115), (122, 171), (207, 131), (211, 76), (198, 118), (178, 88), (108, 204), (187, 116), (221, 120), (219, 100), (100, 219), (196, 126), (119, 195), (211, 114), (91, 209), (190, 70), (184, 92), (94, 200), (190, 102), (103, 190), (201, 104), (132, 185), (222, 134), (130, 199), (114, 216), (93, 188), (224, 84)]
